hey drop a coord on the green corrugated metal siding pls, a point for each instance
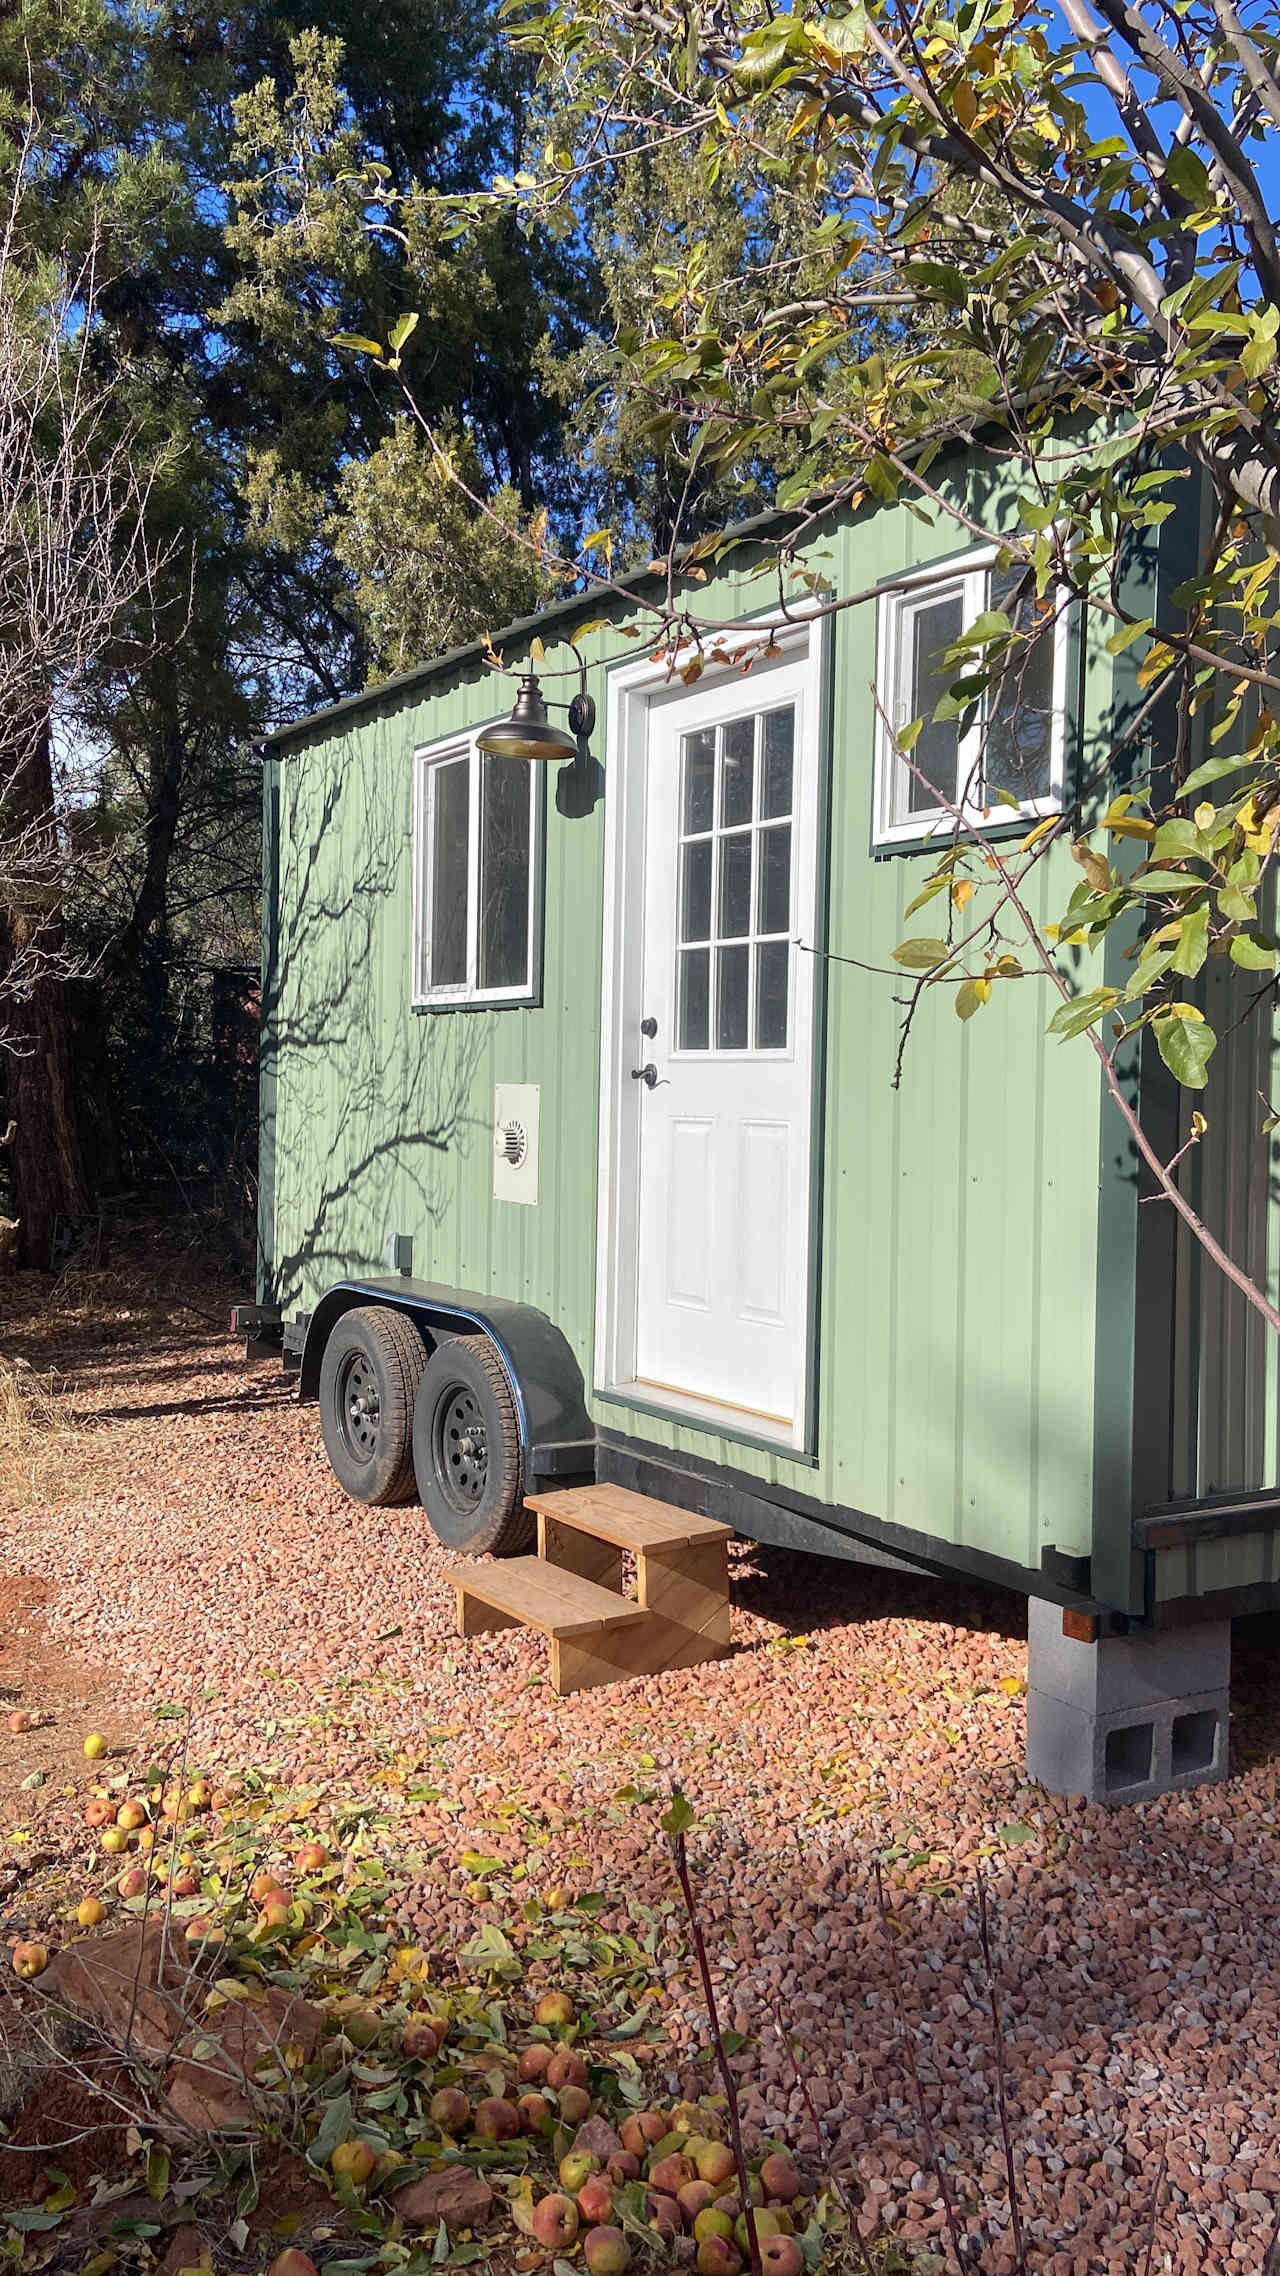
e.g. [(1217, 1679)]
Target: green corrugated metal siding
[(957, 1312)]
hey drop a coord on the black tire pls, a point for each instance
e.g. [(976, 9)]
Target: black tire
[(369, 1379), (466, 1450)]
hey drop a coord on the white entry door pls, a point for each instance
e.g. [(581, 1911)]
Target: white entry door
[(716, 1045)]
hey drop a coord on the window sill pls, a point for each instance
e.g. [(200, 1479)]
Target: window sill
[(935, 837), (532, 1001)]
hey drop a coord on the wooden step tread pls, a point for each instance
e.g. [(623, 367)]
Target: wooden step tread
[(627, 1520), (542, 1596)]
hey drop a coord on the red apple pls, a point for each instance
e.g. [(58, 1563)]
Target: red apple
[(606, 2251), (595, 2199), (670, 2174), (449, 2109), (496, 2119), (642, 2129), (692, 2196), (30, 1960), (664, 2215), (575, 2104), (778, 2176), (418, 2042), (533, 2062), (566, 2069), (98, 1811), (291, 2262), (311, 1857), (781, 2256), (624, 2165), (132, 1883), (718, 2256), (535, 2113), (21, 1720), (555, 2221), (131, 1815)]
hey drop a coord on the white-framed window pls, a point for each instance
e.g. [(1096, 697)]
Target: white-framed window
[(1005, 756), (476, 850)]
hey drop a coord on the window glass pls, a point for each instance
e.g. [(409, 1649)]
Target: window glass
[(734, 913), (778, 741), (450, 821), (699, 781), (1018, 749), (695, 891), (737, 772), (733, 976), (504, 873), (773, 963), (694, 1024), (774, 893), (930, 629)]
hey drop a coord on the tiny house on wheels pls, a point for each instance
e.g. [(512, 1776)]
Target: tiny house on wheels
[(587, 1198)]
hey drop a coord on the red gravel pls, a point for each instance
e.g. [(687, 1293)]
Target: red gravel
[(204, 1556)]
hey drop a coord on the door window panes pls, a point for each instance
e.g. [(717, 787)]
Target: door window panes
[(693, 1025), (1018, 750), (736, 792)]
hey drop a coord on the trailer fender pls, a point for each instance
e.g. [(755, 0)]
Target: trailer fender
[(556, 1432)]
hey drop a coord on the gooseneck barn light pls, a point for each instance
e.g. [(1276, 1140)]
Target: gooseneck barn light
[(529, 734)]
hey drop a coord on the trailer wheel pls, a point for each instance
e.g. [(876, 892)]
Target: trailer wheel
[(466, 1450), (369, 1376)]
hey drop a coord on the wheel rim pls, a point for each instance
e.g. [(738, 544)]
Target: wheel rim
[(461, 1447), (359, 1405)]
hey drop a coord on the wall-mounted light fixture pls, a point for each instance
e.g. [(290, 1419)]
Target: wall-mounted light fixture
[(529, 734)]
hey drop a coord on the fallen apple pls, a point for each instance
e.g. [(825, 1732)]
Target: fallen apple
[(276, 1913), (131, 1815), (664, 2215), (555, 2009), (535, 2113), (778, 2176), (91, 1912), (595, 2199), (718, 2256), (264, 1884), (715, 2163), (311, 1857), (98, 1811), (642, 2129), (114, 1840), (606, 2251), (575, 2168), (95, 1746), (555, 2221), (418, 2042), (768, 2223), (712, 2222), (670, 2174), (624, 2165), (575, 2104), (781, 2256), (186, 1885), (449, 2109), (30, 1959), (566, 2069), (21, 1720), (133, 1883), (533, 2062), (691, 2196), (352, 2161), (291, 2262), (496, 2119)]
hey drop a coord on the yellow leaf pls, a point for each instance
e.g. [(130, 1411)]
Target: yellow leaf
[(964, 103), (1198, 1125), (1041, 830), (1205, 815), (962, 892), (1130, 826), (1011, 1685)]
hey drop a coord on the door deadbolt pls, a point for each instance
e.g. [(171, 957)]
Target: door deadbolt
[(649, 1026)]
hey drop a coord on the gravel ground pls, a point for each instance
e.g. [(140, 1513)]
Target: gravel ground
[(202, 1556)]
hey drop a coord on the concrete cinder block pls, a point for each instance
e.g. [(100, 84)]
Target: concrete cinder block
[(1129, 1717), (1137, 1670)]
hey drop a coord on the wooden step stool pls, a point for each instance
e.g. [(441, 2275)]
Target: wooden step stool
[(572, 1590)]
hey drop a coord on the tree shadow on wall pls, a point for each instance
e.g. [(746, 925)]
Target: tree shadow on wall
[(364, 1098)]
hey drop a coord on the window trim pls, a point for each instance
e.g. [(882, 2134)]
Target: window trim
[(968, 572), (466, 995)]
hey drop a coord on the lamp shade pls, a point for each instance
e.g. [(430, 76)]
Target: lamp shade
[(528, 733)]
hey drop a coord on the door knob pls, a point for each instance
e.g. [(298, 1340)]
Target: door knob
[(648, 1075)]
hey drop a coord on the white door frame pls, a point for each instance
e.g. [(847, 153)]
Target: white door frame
[(634, 688)]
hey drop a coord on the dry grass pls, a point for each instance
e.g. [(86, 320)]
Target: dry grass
[(37, 1431)]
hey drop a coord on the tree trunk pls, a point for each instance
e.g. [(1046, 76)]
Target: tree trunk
[(49, 1177)]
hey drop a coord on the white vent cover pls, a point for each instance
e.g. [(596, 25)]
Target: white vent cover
[(515, 1142)]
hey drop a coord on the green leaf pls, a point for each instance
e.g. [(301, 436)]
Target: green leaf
[(403, 329), (335, 2126), (921, 954), (358, 343), (1168, 881), (679, 1817), (1015, 1832), (971, 995), (1213, 770), (927, 892), (1083, 1011), (1127, 634), (1193, 942), (1186, 1047), (157, 2171), (1253, 951)]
